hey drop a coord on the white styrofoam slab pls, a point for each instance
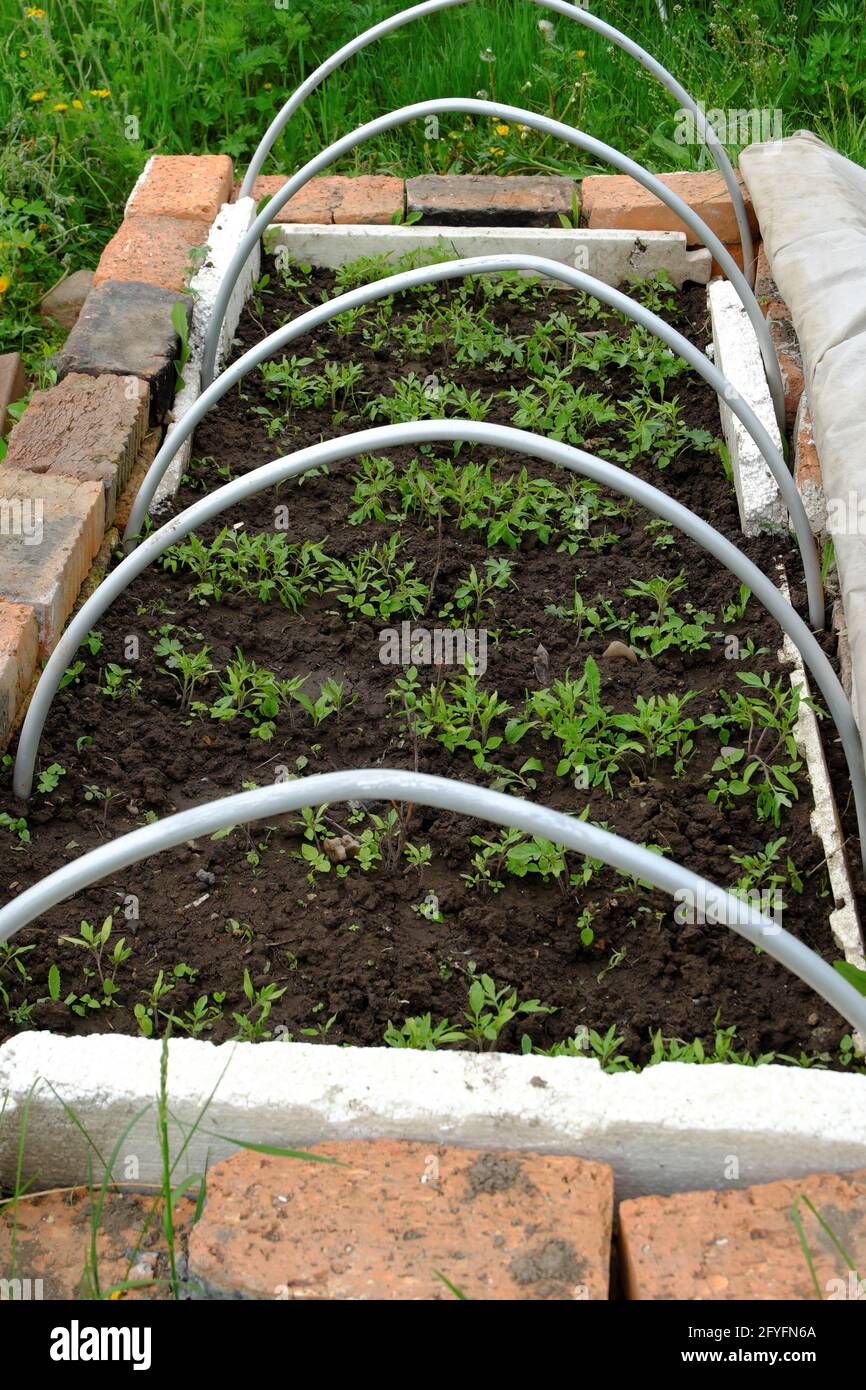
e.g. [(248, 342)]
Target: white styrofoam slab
[(737, 354), (673, 1127), (611, 256)]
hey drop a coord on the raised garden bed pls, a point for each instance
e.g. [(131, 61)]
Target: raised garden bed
[(337, 926)]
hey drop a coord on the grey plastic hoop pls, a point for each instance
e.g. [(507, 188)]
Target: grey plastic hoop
[(713, 904), (514, 114), (589, 21), (476, 265), (426, 431)]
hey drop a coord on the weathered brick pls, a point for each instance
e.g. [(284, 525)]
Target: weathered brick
[(190, 186), (52, 1244), (480, 200), (331, 199), (497, 1225), (51, 528), (766, 289), (19, 652), (125, 328), (790, 357), (85, 427), (742, 1243), (13, 385), (807, 469), (154, 250), (618, 200), (65, 301)]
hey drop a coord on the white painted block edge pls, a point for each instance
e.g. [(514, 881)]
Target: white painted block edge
[(844, 919), (673, 1127), (736, 353), (611, 256), (229, 227), (225, 235)]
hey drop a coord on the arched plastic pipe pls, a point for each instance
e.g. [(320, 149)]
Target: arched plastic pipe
[(515, 114), (424, 432), (477, 265), (589, 21), (382, 784)]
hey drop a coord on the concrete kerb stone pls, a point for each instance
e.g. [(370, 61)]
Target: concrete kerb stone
[(737, 354), (666, 1129), (230, 225), (224, 236), (614, 257)]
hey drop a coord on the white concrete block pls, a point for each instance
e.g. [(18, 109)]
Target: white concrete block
[(230, 224), (670, 1128), (611, 256), (824, 817), (737, 354)]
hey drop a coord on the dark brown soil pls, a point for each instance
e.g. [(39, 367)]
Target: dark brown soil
[(355, 947)]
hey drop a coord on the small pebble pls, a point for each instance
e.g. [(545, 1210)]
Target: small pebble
[(618, 651)]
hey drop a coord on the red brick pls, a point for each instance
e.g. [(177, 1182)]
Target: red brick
[(156, 250), (85, 427), (487, 200), (742, 1243), (53, 1233), (19, 651), (733, 249), (790, 357), (807, 469), (44, 562), (372, 198), (617, 200), (497, 1225), (13, 386), (183, 185), (766, 289)]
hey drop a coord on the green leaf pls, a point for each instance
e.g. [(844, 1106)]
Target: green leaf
[(852, 974)]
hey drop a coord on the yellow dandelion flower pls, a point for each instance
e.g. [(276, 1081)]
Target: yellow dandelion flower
[(60, 106), (38, 96), (79, 105), (5, 282), (581, 53), (33, 13), (497, 150), (100, 92), (24, 53), (501, 129), (268, 86)]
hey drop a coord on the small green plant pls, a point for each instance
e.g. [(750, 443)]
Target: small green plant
[(251, 1025), (101, 964), (49, 779)]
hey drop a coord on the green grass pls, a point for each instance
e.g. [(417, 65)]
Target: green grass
[(120, 79)]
